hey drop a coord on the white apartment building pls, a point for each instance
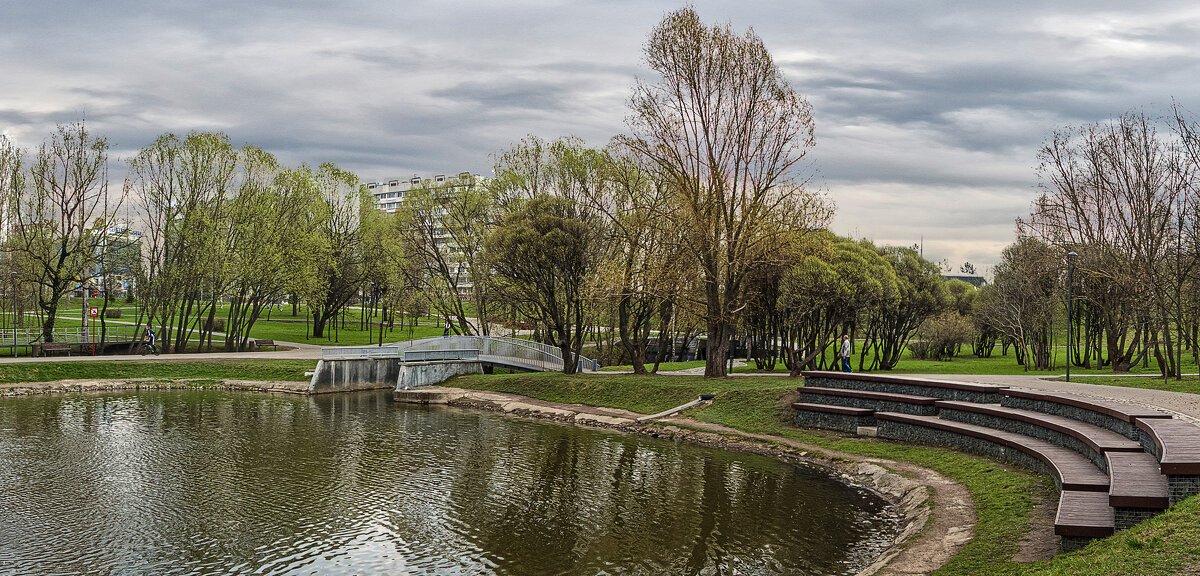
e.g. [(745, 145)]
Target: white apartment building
[(390, 193)]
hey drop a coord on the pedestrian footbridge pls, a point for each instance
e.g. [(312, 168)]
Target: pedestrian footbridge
[(432, 360)]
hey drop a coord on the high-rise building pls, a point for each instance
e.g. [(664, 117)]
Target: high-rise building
[(390, 193)]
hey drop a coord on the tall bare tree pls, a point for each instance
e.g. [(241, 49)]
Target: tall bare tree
[(727, 134), (59, 219)]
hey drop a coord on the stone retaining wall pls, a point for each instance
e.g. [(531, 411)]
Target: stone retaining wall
[(842, 422), (893, 430)]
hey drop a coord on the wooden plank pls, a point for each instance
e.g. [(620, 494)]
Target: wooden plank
[(1135, 481), (1178, 443), (846, 410), (1083, 515)]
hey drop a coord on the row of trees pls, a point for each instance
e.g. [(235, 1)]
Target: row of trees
[(218, 224), (1124, 196)]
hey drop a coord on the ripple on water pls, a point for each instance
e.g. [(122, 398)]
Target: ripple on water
[(215, 483)]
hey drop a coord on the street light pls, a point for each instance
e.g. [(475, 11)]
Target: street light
[(1071, 257)]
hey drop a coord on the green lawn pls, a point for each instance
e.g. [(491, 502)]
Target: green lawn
[(249, 369), (664, 367), (282, 326)]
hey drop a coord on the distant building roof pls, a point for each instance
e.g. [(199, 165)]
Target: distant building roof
[(976, 281)]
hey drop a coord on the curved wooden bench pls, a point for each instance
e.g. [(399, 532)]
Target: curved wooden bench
[(1070, 470), (1081, 517), (881, 401), (1087, 439), (1176, 446), (1135, 482), (943, 389), (1115, 416)]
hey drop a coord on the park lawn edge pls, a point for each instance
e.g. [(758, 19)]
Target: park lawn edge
[(243, 369), (1003, 496)]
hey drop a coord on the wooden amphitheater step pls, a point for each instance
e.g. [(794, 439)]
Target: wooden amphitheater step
[(1116, 416), (1176, 444), (844, 418), (1135, 481), (1088, 439), (1083, 515), (882, 401), (1070, 470), (943, 389)]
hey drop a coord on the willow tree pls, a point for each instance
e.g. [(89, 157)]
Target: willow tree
[(726, 133)]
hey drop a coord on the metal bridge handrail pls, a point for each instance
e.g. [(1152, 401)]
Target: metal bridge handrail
[(533, 354)]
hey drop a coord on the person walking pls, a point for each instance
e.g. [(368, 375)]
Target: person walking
[(844, 354), (446, 332)]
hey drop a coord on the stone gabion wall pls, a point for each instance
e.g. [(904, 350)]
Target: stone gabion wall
[(1073, 544), (876, 405), (904, 388), (1075, 413), (827, 421), (921, 434), (1149, 446), (1126, 517), (1181, 486), (1008, 425)]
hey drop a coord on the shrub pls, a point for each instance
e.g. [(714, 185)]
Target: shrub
[(112, 313), (940, 337)]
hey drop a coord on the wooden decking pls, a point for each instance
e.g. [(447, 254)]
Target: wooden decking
[(1178, 445)]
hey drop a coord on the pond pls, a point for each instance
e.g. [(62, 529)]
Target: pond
[(204, 482)]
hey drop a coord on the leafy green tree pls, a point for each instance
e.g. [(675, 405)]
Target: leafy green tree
[(921, 293), (543, 253), (342, 204)]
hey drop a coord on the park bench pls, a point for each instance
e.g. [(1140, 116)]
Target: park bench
[(881, 401), (46, 348), (943, 389), (257, 344)]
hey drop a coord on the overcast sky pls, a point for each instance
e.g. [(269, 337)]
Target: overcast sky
[(929, 114)]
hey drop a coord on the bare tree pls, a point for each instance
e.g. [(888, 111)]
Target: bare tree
[(725, 131), (59, 219)]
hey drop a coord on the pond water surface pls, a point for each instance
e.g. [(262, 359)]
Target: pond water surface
[(200, 482)]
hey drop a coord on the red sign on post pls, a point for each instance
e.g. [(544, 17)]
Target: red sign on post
[(93, 312)]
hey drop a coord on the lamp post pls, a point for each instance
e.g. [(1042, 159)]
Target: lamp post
[(1071, 256)]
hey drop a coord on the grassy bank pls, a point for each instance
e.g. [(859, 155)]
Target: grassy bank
[(249, 369), (1003, 497)]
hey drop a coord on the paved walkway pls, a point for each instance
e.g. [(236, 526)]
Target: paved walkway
[(1180, 404)]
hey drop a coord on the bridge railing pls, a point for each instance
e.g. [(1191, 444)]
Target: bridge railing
[(533, 355)]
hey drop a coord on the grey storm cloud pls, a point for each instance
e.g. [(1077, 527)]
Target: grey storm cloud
[(929, 114)]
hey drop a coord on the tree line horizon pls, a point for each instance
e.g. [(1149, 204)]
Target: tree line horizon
[(700, 221)]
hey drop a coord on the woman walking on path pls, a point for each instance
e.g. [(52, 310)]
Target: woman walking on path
[(845, 353)]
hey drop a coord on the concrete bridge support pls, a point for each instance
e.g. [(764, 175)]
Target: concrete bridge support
[(350, 374)]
